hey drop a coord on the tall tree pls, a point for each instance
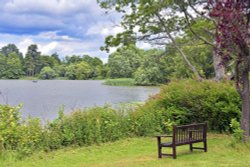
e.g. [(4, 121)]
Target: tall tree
[(124, 62), (232, 40), (14, 66), (159, 22), (6, 50), (32, 63), (56, 57), (11, 48)]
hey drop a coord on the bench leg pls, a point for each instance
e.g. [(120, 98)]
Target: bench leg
[(191, 147), (205, 146), (159, 147), (159, 152), (174, 152)]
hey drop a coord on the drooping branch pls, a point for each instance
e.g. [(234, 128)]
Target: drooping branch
[(200, 13), (177, 47), (193, 32)]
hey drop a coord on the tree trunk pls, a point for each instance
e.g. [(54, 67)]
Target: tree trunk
[(219, 68), (244, 120)]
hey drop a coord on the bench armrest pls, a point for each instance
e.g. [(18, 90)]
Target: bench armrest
[(163, 136)]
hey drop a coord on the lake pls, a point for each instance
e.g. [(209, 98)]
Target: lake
[(44, 98)]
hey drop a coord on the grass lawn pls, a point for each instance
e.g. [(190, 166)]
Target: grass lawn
[(138, 152)]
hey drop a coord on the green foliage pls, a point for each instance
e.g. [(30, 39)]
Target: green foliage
[(9, 123), (120, 82), (11, 66), (14, 66), (237, 135), (47, 73), (190, 101), (124, 62), (11, 48), (32, 63), (78, 71), (24, 137), (154, 68)]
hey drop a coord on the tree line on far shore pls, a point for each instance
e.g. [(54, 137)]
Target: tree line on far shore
[(14, 65), (146, 67)]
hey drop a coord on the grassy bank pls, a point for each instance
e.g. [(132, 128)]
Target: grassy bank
[(29, 78), (139, 152), (120, 82), (36, 78)]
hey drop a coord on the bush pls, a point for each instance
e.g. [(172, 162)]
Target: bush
[(24, 137), (190, 101), (237, 132)]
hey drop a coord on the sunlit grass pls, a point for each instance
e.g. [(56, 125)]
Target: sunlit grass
[(120, 82), (138, 152), (29, 78)]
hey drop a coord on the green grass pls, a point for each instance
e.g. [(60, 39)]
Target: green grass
[(120, 82), (137, 152), (29, 78), (36, 78)]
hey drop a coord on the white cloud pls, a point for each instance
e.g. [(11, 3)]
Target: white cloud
[(52, 35), (144, 45), (49, 48), (62, 45), (104, 29), (55, 7), (64, 26), (24, 43)]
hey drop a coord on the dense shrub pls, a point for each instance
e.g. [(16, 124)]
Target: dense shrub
[(24, 137), (190, 101)]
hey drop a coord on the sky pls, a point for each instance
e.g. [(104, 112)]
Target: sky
[(64, 26)]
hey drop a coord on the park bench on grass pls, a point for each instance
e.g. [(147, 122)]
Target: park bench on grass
[(182, 135)]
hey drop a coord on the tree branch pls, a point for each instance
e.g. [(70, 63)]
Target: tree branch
[(177, 47), (193, 32), (199, 13)]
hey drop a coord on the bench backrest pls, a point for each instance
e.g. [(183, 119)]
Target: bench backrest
[(186, 134)]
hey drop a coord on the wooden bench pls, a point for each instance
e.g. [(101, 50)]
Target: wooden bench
[(182, 135)]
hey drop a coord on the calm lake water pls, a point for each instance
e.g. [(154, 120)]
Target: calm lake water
[(44, 98)]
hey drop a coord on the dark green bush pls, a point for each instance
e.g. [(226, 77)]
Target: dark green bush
[(190, 101)]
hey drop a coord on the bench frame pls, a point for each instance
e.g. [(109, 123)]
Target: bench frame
[(183, 135)]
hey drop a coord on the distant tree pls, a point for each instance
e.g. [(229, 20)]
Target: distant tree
[(11, 48), (73, 59), (60, 69), (154, 68), (47, 73), (56, 57), (3, 66), (96, 65), (78, 71), (32, 63), (124, 62), (10, 66), (49, 61)]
